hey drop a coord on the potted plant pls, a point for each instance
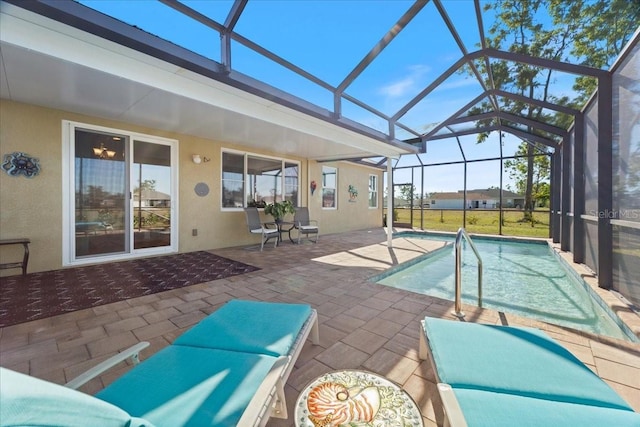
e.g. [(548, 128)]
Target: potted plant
[(279, 209)]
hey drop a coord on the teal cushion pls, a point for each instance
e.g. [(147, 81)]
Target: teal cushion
[(28, 401), (487, 409), (521, 361), (249, 326), (188, 386)]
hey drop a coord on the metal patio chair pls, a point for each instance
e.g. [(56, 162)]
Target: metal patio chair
[(256, 227), (304, 225)]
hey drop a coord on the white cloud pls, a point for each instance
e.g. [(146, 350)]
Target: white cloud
[(406, 85)]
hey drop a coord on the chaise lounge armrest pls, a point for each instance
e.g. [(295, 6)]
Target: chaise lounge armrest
[(453, 413), (132, 353), (271, 391)]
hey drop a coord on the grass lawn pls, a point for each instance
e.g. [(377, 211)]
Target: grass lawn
[(478, 221)]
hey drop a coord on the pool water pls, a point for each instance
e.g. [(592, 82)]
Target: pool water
[(518, 277)]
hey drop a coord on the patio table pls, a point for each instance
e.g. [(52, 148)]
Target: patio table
[(354, 397), (281, 229)]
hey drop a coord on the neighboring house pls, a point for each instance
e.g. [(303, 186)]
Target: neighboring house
[(476, 199), (152, 199)]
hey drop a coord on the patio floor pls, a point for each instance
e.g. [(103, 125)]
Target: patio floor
[(362, 325)]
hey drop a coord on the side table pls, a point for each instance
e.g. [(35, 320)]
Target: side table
[(352, 397), (280, 225), (25, 257)]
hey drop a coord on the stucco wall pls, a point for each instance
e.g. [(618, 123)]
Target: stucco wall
[(33, 207), (348, 215)]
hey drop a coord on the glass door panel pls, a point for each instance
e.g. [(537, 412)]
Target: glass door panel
[(101, 214), (151, 173)]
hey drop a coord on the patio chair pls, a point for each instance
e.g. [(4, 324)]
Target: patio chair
[(230, 369), (304, 225), (256, 227), (496, 376)]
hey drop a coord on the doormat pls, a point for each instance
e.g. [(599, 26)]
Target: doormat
[(50, 293)]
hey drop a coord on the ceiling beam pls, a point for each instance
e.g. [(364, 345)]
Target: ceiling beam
[(383, 43), (512, 118), (486, 129)]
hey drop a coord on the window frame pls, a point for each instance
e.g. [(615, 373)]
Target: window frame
[(284, 162), (373, 192), (335, 189)]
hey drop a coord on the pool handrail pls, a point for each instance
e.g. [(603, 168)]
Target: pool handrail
[(462, 233)]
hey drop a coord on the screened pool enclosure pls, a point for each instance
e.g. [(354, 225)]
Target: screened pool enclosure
[(419, 83)]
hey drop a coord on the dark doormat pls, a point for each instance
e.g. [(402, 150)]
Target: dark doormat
[(40, 295)]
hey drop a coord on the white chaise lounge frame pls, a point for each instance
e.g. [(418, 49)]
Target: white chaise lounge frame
[(268, 401)]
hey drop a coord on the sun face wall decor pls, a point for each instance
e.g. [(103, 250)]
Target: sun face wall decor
[(19, 163)]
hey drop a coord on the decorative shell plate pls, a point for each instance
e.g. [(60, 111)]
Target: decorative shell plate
[(352, 398)]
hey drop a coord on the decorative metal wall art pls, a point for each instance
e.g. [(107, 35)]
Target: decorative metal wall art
[(19, 163), (353, 193)]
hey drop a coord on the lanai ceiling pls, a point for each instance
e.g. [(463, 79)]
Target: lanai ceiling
[(366, 86)]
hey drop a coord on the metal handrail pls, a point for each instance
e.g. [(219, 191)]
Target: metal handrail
[(458, 246)]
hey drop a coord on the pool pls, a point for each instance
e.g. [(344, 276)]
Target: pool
[(523, 278)]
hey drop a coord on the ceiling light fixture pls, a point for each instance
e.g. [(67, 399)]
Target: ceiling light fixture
[(103, 153)]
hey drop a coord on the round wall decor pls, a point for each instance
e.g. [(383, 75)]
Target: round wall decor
[(201, 189)]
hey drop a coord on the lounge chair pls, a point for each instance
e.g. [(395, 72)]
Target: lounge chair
[(228, 370), (497, 376), (256, 227), (304, 225)]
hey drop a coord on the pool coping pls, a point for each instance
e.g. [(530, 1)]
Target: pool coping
[(621, 311)]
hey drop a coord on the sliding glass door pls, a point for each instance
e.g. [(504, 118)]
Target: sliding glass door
[(121, 194), (101, 208), (151, 195)]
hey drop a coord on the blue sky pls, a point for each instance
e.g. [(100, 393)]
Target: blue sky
[(328, 38)]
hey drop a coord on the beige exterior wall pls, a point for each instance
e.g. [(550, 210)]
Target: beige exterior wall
[(348, 215), (32, 208)]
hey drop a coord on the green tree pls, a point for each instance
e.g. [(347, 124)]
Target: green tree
[(147, 184), (588, 32), (408, 193), (518, 169)]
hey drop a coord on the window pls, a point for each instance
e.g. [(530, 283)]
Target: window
[(264, 179), (232, 180), (291, 182), (253, 180), (329, 187), (373, 191)]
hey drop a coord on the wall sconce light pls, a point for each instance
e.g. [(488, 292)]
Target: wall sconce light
[(197, 159)]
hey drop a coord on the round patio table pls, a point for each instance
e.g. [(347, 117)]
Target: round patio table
[(352, 397)]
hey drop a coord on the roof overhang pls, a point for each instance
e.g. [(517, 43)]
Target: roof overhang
[(51, 64)]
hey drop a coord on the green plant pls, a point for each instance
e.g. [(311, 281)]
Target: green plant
[(279, 209)]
